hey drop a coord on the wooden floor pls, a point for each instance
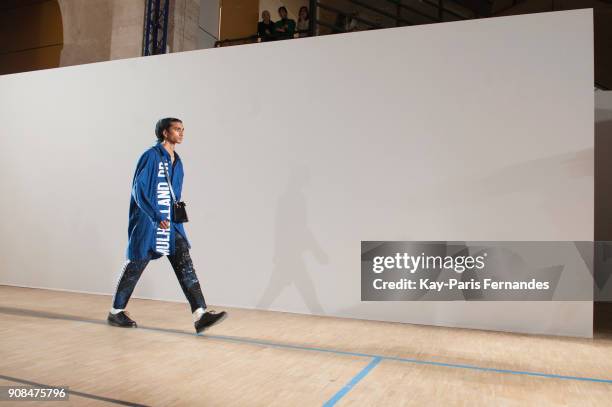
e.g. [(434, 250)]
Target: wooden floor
[(261, 358)]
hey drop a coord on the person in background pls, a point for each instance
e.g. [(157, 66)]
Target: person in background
[(351, 22), (339, 24), (285, 27), (265, 28), (303, 24), (345, 23)]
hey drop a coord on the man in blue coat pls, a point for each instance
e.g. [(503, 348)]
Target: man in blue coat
[(152, 233)]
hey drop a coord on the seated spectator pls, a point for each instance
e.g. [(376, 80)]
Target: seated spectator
[(303, 24), (351, 22), (285, 27), (340, 24), (346, 23), (265, 28)]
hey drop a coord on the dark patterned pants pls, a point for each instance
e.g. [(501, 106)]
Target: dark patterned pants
[(183, 268)]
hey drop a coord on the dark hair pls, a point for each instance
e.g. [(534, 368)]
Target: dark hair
[(307, 13), (164, 124), (282, 8)]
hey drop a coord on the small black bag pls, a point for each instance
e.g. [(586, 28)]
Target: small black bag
[(179, 213)]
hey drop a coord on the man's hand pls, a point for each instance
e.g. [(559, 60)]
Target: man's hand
[(164, 224)]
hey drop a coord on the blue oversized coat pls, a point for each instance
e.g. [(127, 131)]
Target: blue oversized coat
[(151, 202)]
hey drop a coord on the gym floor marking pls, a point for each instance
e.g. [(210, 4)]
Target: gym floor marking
[(375, 359)]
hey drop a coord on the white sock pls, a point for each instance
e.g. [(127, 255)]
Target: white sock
[(115, 311), (197, 314)]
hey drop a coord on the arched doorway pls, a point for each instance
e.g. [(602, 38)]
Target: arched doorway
[(31, 35)]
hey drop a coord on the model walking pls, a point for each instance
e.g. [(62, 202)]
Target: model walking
[(156, 228)]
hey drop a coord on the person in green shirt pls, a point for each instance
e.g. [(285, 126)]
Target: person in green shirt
[(285, 27)]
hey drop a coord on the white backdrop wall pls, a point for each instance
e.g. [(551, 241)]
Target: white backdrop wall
[(296, 151)]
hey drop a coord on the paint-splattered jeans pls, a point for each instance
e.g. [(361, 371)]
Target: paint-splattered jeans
[(183, 268)]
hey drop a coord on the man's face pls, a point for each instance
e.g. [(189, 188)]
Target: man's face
[(282, 13), (174, 133)]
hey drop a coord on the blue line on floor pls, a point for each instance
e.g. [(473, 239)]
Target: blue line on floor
[(52, 315), (406, 360), (286, 346), (494, 370), (356, 379)]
